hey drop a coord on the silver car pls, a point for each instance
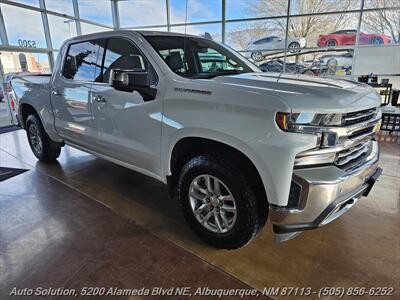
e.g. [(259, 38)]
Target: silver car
[(263, 46)]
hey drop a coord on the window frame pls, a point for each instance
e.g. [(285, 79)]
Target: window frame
[(69, 44)]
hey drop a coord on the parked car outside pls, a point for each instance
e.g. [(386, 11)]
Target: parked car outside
[(348, 37), (276, 65), (262, 46), (340, 60)]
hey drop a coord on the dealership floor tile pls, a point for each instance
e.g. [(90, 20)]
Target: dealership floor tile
[(51, 236), (362, 248)]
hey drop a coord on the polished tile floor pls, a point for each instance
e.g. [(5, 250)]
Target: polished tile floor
[(43, 209)]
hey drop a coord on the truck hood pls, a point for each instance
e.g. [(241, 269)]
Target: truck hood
[(304, 93)]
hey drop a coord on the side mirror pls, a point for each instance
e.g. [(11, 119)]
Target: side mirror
[(133, 80)]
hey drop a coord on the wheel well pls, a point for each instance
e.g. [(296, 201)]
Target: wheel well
[(332, 40), (26, 110), (190, 147)]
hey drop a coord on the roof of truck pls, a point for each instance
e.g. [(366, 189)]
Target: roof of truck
[(141, 32)]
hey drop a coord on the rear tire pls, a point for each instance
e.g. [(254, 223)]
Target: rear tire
[(377, 41), (294, 47), (331, 43), (41, 145), (241, 218)]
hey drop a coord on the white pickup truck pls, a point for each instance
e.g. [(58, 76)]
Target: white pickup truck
[(232, 143)]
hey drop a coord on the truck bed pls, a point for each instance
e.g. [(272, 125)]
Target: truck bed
[(33, 90)]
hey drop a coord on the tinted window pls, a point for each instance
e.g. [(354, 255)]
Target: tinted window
[(212, 61), (80, 63), (121, 54), (262, 41), (197, 57)]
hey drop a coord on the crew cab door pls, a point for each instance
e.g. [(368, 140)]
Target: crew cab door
[(70, 93), (128, 125)]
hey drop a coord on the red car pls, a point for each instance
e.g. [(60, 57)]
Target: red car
[(348, 37)]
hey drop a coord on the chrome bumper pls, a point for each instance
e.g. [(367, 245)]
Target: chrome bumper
[(326, 194)]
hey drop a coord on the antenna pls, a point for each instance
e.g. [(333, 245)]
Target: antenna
[(184, 41)]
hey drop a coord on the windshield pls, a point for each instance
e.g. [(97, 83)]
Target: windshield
[(193, 57)]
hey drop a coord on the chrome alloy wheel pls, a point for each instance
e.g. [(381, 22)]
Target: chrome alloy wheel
[(34, 137), (257, 56), (212, 203)]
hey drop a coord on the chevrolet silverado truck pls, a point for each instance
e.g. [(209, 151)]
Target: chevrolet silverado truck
[(233, 144)]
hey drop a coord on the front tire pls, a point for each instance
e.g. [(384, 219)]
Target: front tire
[(42, 147), (257, 56), (219, 202)]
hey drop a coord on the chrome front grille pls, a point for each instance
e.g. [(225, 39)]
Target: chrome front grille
[(358, 133), (352, 156), (358, 116), (348, 146), (360, 137)]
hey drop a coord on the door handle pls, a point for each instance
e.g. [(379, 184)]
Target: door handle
[(99, 98)]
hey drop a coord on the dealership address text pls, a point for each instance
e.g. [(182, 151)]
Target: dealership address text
[(336, 292)]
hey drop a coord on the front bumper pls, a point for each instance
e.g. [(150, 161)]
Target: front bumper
[(326, 194)]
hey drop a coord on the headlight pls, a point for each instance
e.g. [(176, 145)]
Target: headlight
[(306, 122), (378, 113)]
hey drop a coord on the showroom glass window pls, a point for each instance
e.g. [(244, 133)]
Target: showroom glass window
[(239, 9), (142, 13), (90, 28), (28, 2), (98, 11), (31, 36), (81, 61), (60, 30), (214, 30), (60, 6), (198, 11), (241, 35)]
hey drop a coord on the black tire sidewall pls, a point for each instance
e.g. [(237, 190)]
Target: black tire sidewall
[(295, 49), (246, 224), (334, 43), (255, 54), (48, 153)]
